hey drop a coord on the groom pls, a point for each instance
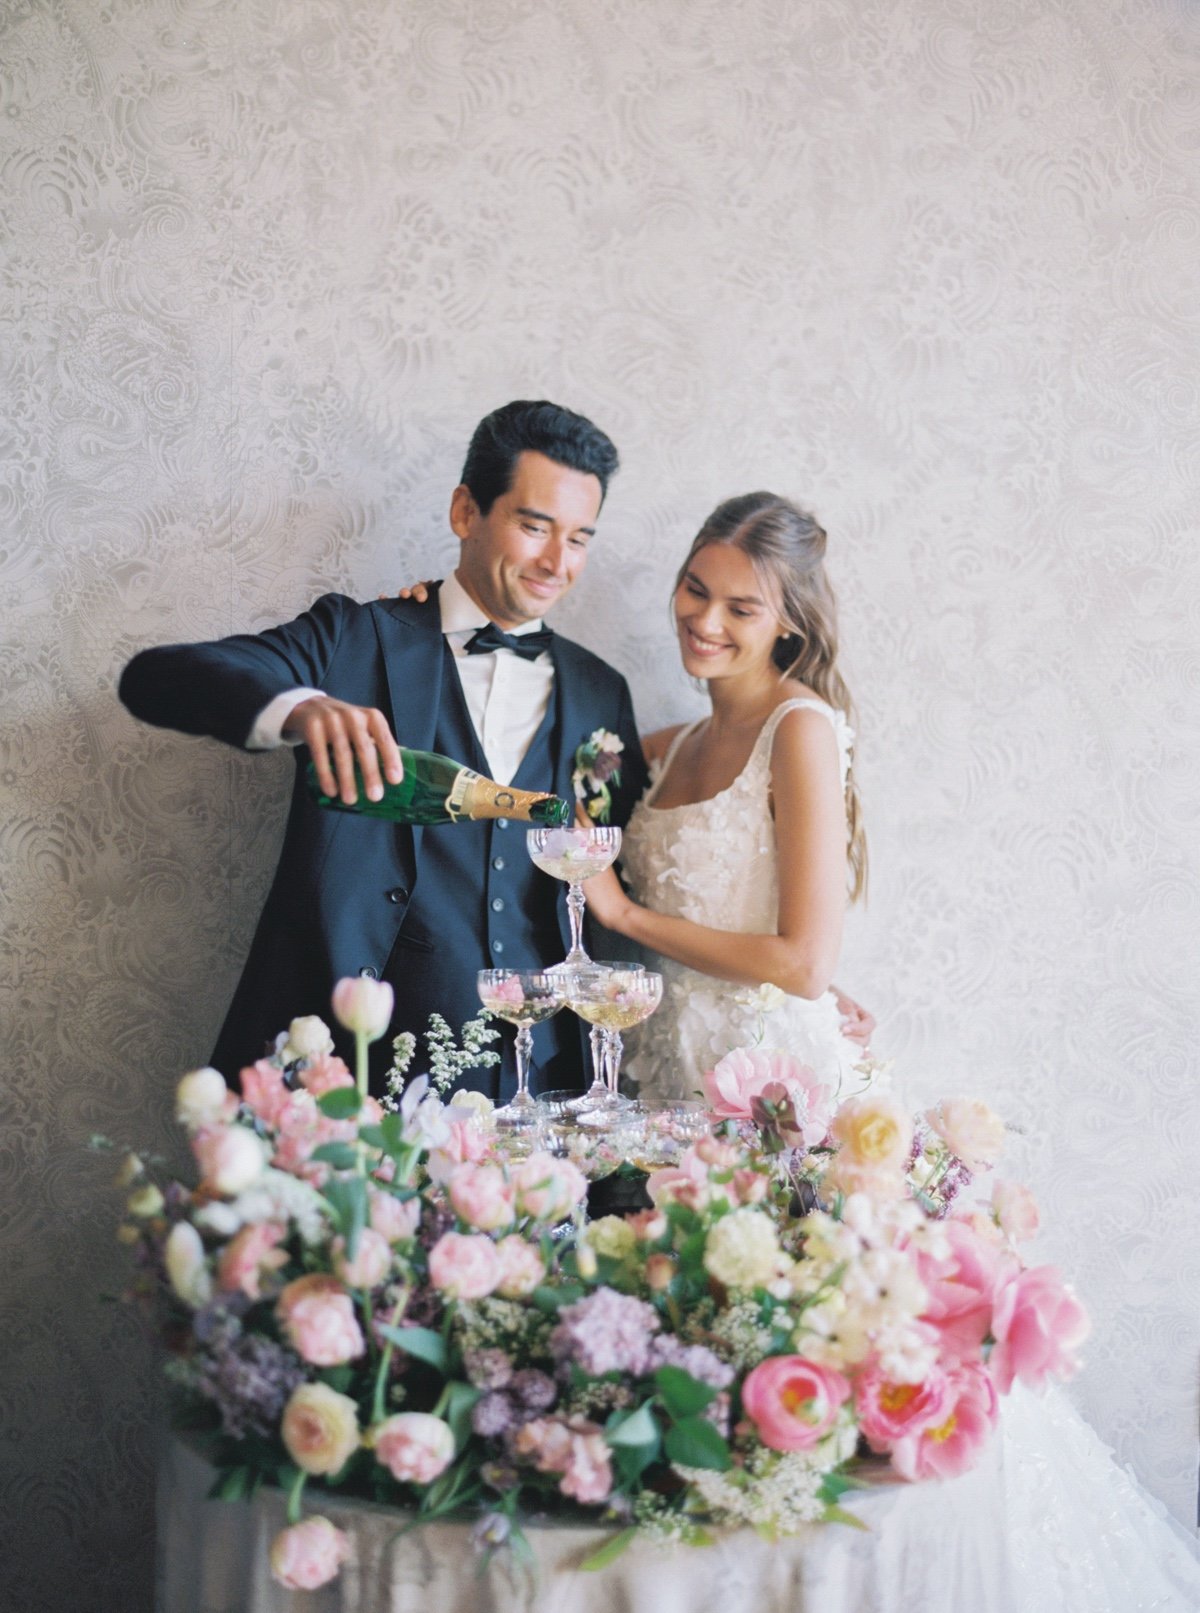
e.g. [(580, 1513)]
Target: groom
[(470, 673)]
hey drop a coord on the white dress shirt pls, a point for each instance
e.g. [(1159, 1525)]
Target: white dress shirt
[(506, 695)]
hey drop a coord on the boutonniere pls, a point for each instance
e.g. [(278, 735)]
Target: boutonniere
[(597, 766)]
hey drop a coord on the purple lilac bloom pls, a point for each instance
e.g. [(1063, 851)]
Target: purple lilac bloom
[(493, 1414), (250, 1380), (488, 1369), (695, 1359), (606, 1332), (535, 1390)]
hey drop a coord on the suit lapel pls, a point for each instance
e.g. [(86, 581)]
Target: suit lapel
[(410, 642)]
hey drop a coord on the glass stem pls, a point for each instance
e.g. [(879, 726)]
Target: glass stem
[(576, 903), (598, 1074), (613, 1047), (524, 1050)]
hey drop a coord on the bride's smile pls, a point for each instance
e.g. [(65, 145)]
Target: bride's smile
[(725, 624)]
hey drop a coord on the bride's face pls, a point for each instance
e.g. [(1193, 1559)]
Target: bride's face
[(726, 623)]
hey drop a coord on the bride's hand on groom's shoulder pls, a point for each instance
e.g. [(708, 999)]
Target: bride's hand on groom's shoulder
[(416, 590)]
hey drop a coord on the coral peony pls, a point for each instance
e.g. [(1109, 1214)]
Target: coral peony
[(941, 1450), (793, 1403)]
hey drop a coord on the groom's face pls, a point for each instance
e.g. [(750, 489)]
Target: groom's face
[(527, 551)]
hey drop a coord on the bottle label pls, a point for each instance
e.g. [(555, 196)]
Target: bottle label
[(457, 798)]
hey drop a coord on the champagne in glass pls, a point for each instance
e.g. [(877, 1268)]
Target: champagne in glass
[(523, 997), (573, 854), (614, 999)]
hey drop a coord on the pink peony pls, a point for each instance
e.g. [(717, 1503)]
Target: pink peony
[(1038, 1325), (464, 1265), (231, 1158), (793, 1403), (392, 1218), (364, 1006), (371, 1263), (326, 1073), (1015, 1209), (251, 1254), (413, 1446), (962, 1288), (317, 1314), (941, 1450), (741, 1076), (548, 1189), (521, 1267), (309, 1554), (890, 1411), (482, 1196), (265, 1091)]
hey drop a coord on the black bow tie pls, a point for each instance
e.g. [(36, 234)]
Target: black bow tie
[(527, 645)]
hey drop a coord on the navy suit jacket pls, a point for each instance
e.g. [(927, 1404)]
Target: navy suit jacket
[(341, 890)]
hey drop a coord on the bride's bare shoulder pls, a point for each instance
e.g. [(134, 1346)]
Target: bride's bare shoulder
[(656, 745)]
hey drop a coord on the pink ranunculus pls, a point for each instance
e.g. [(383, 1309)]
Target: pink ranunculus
[(1015, 1209), (364, 1006), (248, 1256), (325, 1074), (309, 1554), (265, 1091), (464, 1265), (371, 1263), (521, 1267), (748, 1186), (1039, 1326), (890, 1411), (414, 1446), (320, 1322), (588, 1477), (675, 1184), (740, 1077), (231, 1158), (942, 1450), (962, 1289), (548, 1189), (647, 1225), (392, 1218), (482, 1196), (792, 1402)]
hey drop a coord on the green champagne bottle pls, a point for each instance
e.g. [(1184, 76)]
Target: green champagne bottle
[(436, 790)]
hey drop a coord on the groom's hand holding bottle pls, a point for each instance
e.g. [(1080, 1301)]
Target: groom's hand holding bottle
[(338, 736)]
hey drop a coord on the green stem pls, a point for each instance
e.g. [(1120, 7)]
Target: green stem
[(294, 1494), (378, 1405), (361, 1044)]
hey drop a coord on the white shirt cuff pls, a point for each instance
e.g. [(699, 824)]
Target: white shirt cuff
[(267, 733)]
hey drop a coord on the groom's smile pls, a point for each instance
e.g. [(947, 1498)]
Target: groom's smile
[(527, 551)]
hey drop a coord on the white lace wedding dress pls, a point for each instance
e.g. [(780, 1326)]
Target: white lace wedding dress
[(1074, 1533), (714, 862)]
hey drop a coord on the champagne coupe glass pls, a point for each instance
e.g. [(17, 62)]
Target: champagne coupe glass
[(597, 1093), (524, 997), (574, 854), (615, 999)]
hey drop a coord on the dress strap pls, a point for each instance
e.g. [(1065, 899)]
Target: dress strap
[(842, 730), (664, 767)]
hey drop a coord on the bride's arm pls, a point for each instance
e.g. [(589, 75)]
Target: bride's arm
[(810, 832)]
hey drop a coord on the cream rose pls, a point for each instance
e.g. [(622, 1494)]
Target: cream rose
[(320, 1428), (200, 1098), (742, 1250), (969, 1130), (873, 1131)]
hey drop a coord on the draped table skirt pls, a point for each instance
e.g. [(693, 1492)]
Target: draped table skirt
[(932, 1546)]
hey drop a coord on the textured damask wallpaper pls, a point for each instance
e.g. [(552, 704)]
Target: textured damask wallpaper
[(927, 264)]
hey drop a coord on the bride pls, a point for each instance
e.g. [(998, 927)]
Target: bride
[(739, 860), (740, 857)]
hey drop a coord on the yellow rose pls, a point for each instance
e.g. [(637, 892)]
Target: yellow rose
[(874, 1131)]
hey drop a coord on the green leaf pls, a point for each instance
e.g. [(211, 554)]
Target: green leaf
[(233, 1484), (343, 1103), (347, 1199), (460, 1400), (550, 1300), (392, 1127), (342, 1156), (609, 1551), (681, 1394), (373, 1136), (840, 1515), (639, 1428), (695, 1443), (421, 1342), (339, 1378)]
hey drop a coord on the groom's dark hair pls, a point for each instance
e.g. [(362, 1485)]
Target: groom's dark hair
[(541, 428)]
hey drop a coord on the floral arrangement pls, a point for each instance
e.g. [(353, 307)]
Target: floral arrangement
[(381, 1303), (597, 766)]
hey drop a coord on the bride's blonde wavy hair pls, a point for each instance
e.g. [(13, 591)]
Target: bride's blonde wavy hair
[(786, 546)]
